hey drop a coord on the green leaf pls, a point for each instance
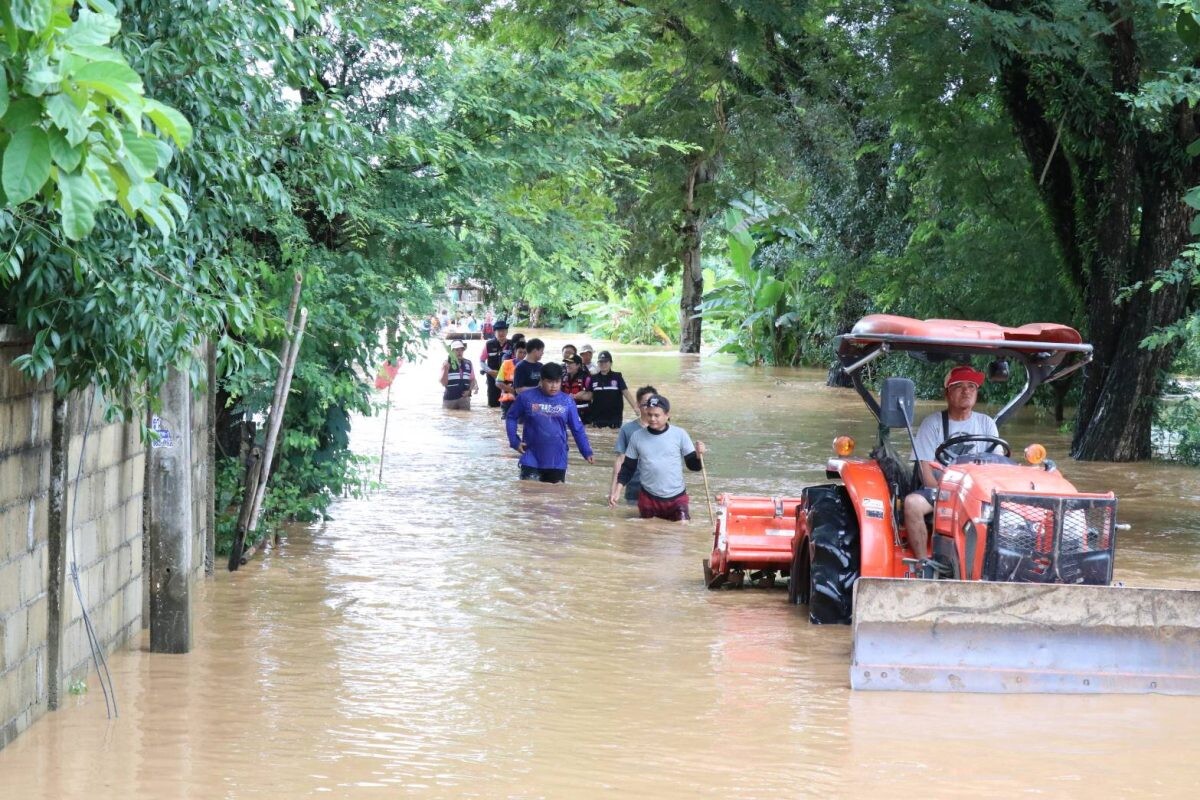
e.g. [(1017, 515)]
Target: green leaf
[(1192, 198), (67, 116), (3, 91), (26, 164), (24, 113), (160, 220), (1188, 29), (176, 202), (66, 156), (91, 29), (141, 148), (111, 79), (1194, 227), (170, 122), (80, 199), (768, 295), (1193, 149), (32, 15)]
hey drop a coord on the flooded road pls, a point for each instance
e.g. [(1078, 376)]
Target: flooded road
[(458, 634)]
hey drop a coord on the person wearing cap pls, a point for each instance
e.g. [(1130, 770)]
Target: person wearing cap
[(504, 380), (608, 388), (577, 384), (633, 486), (528, 373), (568, 350), (495, 351), (545, 414), (459, 378), (587, 352), (655, 453), (961, 387)]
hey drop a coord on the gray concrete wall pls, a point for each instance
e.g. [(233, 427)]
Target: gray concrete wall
[(25, 422), (43, 642)]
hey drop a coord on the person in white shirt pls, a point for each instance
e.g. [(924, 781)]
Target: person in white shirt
[(586, 353), (962, 385)]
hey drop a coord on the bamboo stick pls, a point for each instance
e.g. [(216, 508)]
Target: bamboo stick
[(253, 466), (277, 422)]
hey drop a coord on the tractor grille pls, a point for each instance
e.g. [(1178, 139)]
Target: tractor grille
[(1036, 539)]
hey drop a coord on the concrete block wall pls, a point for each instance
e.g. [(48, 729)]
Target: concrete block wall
[(43, 642), (103, 513), (25, 426)]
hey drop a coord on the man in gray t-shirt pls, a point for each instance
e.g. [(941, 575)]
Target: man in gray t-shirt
[(628, 430), (962, 385), (655, 453)]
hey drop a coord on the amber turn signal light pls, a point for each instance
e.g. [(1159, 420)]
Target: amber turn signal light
[(1035, 454), (843, 446)]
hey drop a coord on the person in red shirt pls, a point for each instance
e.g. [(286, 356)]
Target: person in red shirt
[(578, 384)]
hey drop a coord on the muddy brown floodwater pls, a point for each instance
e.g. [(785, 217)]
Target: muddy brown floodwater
[(458, 634)]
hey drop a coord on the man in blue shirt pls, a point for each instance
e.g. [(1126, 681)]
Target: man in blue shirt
[(546, 414)]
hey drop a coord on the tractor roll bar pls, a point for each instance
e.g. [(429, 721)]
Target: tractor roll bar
[(1034, 356)]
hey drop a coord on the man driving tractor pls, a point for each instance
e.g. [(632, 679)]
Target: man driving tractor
[(962, 386)]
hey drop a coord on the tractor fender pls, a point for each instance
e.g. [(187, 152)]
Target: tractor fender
[(872, 502)]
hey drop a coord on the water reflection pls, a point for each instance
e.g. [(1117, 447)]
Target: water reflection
[(459, 634)]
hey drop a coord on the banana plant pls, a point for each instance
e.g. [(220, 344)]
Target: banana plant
[(749, 301)]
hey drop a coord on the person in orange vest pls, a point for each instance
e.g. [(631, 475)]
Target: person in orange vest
[(504, 376)]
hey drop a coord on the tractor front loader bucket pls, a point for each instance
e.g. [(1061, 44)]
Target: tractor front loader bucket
[(983, 636)]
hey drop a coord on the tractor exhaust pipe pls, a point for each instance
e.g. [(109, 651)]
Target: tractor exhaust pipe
[(982, 636)]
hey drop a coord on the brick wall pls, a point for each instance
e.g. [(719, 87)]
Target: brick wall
[(43, 643), (25, 424)]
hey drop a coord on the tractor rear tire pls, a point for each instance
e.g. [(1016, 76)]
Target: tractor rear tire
[(835, 562)]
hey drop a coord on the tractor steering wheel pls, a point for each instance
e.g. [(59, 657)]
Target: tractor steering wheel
[(943, 455)]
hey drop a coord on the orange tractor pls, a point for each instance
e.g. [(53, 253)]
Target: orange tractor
[(971, 621)]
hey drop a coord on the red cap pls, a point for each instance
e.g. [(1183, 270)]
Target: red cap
[(963, 374)]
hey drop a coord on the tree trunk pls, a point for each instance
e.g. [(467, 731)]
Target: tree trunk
[(701, 170), (1113, 190), (693, 283), (1124, 380)]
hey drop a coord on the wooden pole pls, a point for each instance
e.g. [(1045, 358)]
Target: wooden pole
[(707, 495), (276, 423), (387, 412), (253, 467)]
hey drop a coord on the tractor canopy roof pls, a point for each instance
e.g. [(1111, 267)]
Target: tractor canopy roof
[(1047, 350), (950, 337)]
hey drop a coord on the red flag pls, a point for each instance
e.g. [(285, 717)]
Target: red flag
[(387, 374)]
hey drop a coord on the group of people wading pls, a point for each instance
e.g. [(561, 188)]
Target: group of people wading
[(539, 402)]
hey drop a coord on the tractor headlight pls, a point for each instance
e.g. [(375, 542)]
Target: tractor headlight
[(985, 513)]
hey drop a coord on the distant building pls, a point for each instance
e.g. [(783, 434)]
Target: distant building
[(465, 294)]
